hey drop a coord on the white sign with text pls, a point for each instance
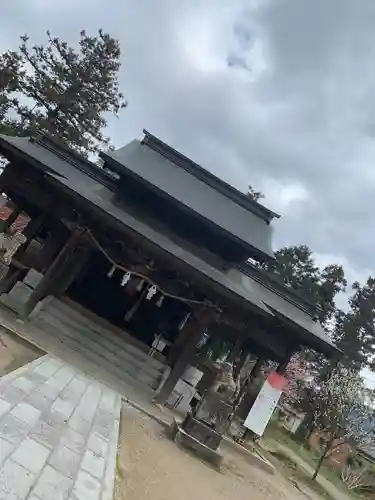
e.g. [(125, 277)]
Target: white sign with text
[(265, 404)]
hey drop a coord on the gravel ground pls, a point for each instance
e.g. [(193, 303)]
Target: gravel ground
[(150, 466), (15, 352)]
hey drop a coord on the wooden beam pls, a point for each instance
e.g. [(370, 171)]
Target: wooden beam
[(33, 189), (57, 267)]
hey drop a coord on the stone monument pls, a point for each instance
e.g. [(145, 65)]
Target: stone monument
[(203, 428)]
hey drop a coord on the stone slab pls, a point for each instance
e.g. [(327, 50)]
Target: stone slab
[(58, 434)]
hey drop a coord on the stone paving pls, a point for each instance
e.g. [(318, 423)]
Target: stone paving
[(58, 434)]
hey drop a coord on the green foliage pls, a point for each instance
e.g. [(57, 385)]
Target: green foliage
[(352, 330), (355, 330), (62, 91), (296, 267)]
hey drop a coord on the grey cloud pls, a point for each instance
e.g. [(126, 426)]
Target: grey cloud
[(306, 119)]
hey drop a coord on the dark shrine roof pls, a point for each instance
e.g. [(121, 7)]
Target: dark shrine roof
[(84, 180), (179, 178)]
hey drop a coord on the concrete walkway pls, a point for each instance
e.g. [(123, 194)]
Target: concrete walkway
[(58, 434), (42, 339)]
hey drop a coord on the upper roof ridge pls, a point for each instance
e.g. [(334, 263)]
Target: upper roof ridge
[(204, 175)]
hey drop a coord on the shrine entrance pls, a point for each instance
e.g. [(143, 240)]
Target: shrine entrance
[(126, 307), (130, 272)]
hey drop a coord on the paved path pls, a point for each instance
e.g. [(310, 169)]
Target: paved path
[(58, 434)]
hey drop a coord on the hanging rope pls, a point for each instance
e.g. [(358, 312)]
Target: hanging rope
[(205, 303)]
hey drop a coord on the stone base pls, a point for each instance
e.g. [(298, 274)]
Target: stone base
[(33, 278), (18, 296), (201, 432), (181, 437)]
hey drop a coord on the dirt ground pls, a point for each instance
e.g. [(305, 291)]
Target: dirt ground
[(150, 466), (15, 352)]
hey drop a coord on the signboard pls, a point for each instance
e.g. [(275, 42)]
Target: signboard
[(265, 403)]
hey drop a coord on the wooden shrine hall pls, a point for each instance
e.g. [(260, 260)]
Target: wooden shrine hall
[(151, 245)]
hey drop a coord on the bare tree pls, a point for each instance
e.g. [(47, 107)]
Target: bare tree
[(343, 412)]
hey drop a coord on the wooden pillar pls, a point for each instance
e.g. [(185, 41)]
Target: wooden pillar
[(18, 272), (233, 355), (256, 370), (191, 333), (282, 366), (239, 362), (178, 344), (203, 352), (56, 269), (31, 231), (12, 275), (246, 397), (50, 249), (77, 260), (253, 375)]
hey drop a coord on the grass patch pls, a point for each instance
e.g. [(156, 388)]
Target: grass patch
[(297, 476), (275, 434)]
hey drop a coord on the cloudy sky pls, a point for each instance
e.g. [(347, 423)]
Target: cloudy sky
[(279, 94)]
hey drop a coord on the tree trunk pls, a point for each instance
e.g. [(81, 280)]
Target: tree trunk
[(309, 430), (321, 459)]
